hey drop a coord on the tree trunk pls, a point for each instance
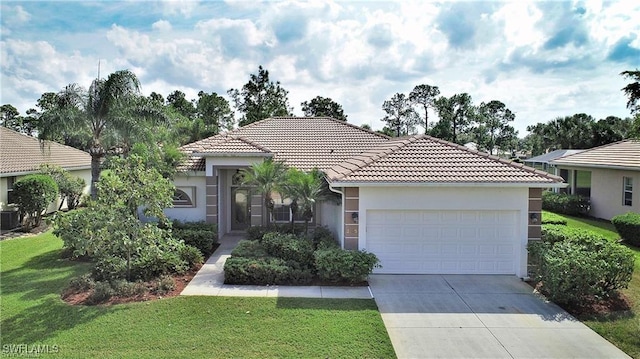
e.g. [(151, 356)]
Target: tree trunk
[(95, 173)]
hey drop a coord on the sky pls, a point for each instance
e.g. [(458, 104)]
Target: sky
[(542, 59)]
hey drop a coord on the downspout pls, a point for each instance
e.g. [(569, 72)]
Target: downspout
[(341, 213)]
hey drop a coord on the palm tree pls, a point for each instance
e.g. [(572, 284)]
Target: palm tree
[(307, 188), (107, 116), (266, 177)]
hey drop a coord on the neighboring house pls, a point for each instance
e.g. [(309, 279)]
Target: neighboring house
[(609, 175), (421, 204), (21, 155), (543, 162)]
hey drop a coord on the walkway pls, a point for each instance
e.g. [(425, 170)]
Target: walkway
[(210, 281)]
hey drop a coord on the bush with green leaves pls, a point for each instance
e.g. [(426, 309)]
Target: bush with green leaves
[(322, 238), (203, 239), (628, 226), (101, 293), (552, 218), (249, 249), (575, 265), (33, 194), (70, 187), (257, 271), (338, 265), (573, 205), (289, 247), (197, 225)]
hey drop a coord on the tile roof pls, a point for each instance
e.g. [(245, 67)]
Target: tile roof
[(22, 154), (553, 155), (424, 159), (301, 142), (624, 154)]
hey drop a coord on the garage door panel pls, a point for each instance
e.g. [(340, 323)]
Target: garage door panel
[(448, 242)]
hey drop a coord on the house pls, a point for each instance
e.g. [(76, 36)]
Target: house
[(21, 155), (543, 162), (421, 204), (609, 175)]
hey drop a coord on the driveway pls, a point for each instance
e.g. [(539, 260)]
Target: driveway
[(479, 316)]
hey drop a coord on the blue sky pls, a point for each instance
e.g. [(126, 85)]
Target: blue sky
[(542, 59)]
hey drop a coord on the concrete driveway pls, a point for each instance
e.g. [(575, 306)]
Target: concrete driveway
[(479, 316)]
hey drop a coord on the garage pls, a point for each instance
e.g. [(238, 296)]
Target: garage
[(444, 241)]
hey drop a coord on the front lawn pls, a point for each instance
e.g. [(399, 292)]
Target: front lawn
[(620, 328), (32, 313)]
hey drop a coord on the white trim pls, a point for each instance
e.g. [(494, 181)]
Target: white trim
[(232, 154), (589, 165)]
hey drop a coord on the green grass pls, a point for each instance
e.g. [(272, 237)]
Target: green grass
[(32, 313), (620, 328)]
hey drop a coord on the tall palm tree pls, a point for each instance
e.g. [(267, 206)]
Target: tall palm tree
[(107, 116), (266, 176)]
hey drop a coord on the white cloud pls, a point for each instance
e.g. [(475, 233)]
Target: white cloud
[(161, 25)]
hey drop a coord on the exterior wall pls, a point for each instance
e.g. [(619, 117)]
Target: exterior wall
[(606, 192), (198, 211), (3, 193), (443, 198), (535, 219), (328, 215)]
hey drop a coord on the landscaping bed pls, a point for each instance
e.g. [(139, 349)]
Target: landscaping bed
[(272, 256)]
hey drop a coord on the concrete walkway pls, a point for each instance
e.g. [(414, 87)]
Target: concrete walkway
[(210, 281), (479, 316)]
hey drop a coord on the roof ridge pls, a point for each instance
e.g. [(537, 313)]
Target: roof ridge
[(381, 135), (249, 142), (43, 142)]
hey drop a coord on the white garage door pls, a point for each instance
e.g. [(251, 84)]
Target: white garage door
[(443, 242)]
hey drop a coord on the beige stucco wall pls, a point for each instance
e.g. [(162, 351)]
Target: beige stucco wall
[(606, 192)]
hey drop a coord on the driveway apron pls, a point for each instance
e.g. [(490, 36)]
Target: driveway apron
[(479, 316)]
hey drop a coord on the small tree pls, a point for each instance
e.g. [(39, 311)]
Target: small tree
[(306, 189), (34, 193), (69, 187), (266, 176)]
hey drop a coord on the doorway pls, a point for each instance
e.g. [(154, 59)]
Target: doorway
[(240, 208)]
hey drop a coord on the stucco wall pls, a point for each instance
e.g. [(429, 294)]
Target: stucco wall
[(198, 212), (443, 198), (606, 192), (329, 213)]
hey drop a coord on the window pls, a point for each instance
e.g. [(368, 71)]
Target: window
[(282, 210), (10, 197), (182, 197), (627, 191)]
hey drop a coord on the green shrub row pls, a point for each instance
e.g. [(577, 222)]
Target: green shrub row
[(271, 257), (202, 239), (565, 203), (628, 226), (574, 265), (552, 218)]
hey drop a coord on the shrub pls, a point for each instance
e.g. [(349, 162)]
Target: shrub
[(255, 233), (259, 271), (288, 247), (33, 194), (578, 264), (322, 238), (109, 268), (628, 226), (124, 288), (69, 187), (164, 285), (79, 285), (101, 293), (556, 233), (336, 265), (552, 218), (203, 239), (191, 255), (198, 225), (565, 203), (249, 249)]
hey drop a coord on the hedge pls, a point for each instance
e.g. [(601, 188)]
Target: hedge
[(552, 218), (565, 203), (628, 226)]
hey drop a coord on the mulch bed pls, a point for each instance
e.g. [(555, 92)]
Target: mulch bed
[(595, 307), (180, 281)]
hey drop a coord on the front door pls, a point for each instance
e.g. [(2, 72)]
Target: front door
[(240, 208)]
